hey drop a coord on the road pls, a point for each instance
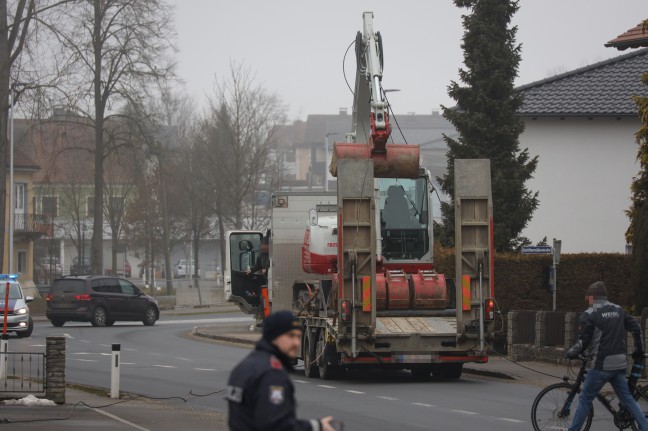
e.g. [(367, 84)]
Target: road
[(163, 361)]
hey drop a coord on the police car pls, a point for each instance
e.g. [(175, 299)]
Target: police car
[(18, 318)]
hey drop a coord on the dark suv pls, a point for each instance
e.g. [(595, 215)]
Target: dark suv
[(100, 300)]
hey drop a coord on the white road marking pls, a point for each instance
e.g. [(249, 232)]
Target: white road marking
[(326, 386), (388, 398), (205, 369), (127, 363), (66, 335), (355, 392), (124, 421), (165, 366), (184, 359), (84, 360), (301, 381), (131, 350), (510, 420), (37, 345), (424, 405), (84, 341), (105, 345), (464, 412)]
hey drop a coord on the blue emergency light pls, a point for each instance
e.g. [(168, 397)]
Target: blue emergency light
[(12, 277)]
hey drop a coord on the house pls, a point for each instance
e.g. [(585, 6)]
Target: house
[(582, 125), (28, 226)]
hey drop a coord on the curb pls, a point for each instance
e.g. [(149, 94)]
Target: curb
[(227, 338), (488, 373)]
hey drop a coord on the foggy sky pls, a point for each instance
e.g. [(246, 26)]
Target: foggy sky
[(295, 48)]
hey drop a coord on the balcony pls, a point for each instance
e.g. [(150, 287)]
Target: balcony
[(32, 226)]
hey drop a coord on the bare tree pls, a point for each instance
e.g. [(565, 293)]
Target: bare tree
[(237, 138), (116, 53), (18, 35)]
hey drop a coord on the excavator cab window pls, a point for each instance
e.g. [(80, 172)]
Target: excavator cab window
[(404, 218)]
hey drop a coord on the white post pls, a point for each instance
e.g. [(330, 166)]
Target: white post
[(326, 144), (114, 375), (4, 357)]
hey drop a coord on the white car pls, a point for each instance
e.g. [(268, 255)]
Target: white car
[(183, 268), (18, 317)]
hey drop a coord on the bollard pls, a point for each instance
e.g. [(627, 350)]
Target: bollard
[(4, 348), (114, 375)]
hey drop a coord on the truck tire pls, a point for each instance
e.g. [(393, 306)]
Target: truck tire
[(308, 349), (327, 358)]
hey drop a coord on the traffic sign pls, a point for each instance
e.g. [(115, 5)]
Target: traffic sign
[(536, 249)]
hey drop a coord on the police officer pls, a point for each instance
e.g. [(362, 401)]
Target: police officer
[(606, 324), (260, 394)]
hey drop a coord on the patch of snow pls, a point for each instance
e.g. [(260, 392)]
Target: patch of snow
[(29, 400)]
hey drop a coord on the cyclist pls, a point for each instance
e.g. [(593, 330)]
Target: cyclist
[(609, 364)]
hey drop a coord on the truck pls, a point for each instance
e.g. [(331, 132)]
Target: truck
[(356, 266)]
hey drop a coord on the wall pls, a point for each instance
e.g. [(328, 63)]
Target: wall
[(583, 176)]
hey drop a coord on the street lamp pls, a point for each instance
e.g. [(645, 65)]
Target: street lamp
[(12, 204)]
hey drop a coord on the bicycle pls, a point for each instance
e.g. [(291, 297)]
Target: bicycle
[(555, 405)]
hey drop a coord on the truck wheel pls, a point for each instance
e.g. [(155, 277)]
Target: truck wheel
[(327, 358), (448, 371), (308, 347)]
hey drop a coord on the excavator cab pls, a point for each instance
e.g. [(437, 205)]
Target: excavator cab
[(404, 223), (242, 250)]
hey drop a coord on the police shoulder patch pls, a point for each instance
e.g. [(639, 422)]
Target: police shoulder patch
[(277, 395), (234, 393), (275, 363)]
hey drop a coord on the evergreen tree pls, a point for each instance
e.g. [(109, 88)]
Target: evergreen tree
[(637, 233), (486, 122)]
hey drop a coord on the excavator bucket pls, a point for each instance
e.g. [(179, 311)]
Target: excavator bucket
[(397, 161)]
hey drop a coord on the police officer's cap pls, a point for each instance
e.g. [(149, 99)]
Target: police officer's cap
[(279, 323)]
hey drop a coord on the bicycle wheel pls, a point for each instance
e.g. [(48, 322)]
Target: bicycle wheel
[(546, 408)]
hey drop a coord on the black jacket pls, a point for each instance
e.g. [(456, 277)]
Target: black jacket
[(262, 262), (261, 396), (612, 322)]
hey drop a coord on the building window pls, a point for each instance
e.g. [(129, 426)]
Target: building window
[(90, 206), (22, 262), (21, 197), (49, 205)]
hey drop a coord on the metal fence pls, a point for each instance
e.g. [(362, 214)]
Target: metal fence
[(22, 372)]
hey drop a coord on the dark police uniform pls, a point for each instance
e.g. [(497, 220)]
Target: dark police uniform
[(261, 395)]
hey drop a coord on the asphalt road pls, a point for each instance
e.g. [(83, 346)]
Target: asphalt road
[(163, 361)]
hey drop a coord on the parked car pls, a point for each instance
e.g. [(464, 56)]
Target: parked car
[(81, 268), (19, 319), (99, 299), (51, 265), (184, 267)]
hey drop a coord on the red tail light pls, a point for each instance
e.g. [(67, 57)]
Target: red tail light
[(49, 297), (489, 309), (84, 297), (345, 314)]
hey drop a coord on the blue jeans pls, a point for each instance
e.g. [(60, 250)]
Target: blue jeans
[(594, 381)]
